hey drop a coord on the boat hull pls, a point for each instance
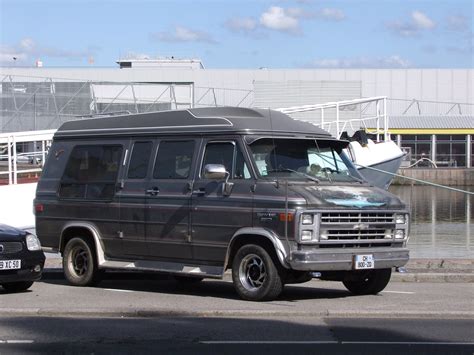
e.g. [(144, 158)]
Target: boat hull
[(380, 174)]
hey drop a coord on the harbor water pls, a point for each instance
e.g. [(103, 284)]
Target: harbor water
[(440, 221)]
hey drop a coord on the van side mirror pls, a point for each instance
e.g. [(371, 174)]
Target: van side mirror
[(218, 172), (215, 172)]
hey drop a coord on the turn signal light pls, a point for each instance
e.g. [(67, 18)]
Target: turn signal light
[(286, 217)]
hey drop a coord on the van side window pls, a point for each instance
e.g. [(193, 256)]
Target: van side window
[(229, 155), (173, 160), (91, 172), (139, 160)]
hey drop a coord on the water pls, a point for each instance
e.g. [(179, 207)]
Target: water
[(441, 221)]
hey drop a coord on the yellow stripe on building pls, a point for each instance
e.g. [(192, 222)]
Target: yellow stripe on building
[(426, 130)]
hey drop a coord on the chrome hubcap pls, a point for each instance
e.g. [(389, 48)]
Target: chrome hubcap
[(252, 272), (79, 261)]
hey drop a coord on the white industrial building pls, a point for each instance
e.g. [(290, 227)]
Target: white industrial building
[(437, 105)]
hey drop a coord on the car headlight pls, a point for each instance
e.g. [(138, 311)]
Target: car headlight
[(307, 219), (399, 234), (400, 218), (32, 242), (306, 235)]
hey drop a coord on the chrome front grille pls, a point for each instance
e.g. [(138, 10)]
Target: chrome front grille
[(357, 217), (356, 229), (10, 247), (371, 234)]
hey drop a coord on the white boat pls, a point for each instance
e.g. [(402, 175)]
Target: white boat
[(377, 161)]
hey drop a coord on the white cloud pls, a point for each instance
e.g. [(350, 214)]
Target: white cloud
[(394, 61), (279, 19), (183, 34), (417, 23), (422, 21), (457, 23), (241, 24), (331, 14), (27, 50)]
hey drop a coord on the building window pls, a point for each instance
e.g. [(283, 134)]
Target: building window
[(417, 147), (472, 150), (451, 150)]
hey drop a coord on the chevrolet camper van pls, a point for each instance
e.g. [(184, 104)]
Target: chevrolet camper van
[(196, 192)]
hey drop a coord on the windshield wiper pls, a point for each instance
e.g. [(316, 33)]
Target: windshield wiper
[(312, 178)]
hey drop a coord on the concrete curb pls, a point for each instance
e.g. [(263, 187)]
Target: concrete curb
[(166, 313)]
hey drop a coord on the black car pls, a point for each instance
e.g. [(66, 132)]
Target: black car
[(21, 259)]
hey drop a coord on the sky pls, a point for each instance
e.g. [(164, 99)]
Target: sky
[(240, 34)]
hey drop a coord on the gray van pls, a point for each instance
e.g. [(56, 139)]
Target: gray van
[(196, 192)]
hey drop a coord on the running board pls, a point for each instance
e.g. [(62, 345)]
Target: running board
[(215, 272)]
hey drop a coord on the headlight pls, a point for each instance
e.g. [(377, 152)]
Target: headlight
[(399, 234), (306, 235), (400, 218), (32, 242), (307, 219)]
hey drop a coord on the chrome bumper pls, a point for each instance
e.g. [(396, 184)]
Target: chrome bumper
[(342, 260)]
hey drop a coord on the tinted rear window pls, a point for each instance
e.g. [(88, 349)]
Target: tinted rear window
[(91, 172)]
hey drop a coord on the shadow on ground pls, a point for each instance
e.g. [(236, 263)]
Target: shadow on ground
[(152, 282)]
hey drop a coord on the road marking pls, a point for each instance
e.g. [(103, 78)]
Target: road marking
[(408, 342), (303, 342), (269, 342), (401, 292), (16, 341), (117, 290)]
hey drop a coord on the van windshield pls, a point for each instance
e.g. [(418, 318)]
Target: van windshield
[(296, 159)]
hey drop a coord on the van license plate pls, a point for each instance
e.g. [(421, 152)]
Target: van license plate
[(363, 262), (10, 264)]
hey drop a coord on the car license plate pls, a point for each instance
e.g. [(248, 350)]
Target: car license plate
[(363, 262), (10, 264)]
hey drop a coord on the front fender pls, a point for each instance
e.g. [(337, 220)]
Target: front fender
[(281, 251)]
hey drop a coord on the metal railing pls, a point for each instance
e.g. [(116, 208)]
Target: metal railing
[(29, 159), (379, 115)]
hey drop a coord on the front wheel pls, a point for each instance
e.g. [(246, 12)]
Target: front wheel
[(17, 286), (368, 282), (79, 263), (255, 275)]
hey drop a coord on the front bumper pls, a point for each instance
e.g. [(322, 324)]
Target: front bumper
[(342, 260), (28, 262)]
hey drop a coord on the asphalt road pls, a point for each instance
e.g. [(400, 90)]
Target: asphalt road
[(140, 313), (138, 294), (236, 335)]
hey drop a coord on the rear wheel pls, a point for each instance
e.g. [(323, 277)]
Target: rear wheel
[(368, 282), (255, 275), (79, 263), (17, 286)]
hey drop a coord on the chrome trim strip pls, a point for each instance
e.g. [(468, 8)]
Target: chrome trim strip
[(216, 272)]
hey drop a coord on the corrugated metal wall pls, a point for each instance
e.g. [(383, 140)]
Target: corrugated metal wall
[(289, 86), (280, 94)]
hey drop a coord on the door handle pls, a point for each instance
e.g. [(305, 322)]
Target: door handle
[(153, 191), (199, 192)]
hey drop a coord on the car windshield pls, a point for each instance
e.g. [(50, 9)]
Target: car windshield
[(317, 160)]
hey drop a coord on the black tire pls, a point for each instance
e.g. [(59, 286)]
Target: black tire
[(17, 286), (255, 275), (79, 263), (187, 280), (368, 282)]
